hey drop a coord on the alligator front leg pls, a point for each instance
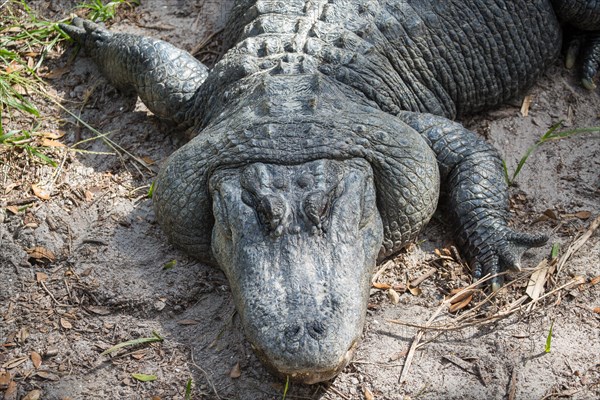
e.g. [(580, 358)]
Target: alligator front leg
[(583, 15), (473, 181), (164, 77)]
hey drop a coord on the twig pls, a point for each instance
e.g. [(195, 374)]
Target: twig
[(417, 281), (52, 296), (512, 387), (334, 390), (381, 270), (205, 375)]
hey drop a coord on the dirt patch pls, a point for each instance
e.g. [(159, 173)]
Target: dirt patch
[(90, 268)]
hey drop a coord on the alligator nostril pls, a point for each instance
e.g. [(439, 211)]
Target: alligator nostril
[(293, 332), (316, 329)]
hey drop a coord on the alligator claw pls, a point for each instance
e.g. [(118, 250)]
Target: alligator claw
[(586, 46), (504, 254)]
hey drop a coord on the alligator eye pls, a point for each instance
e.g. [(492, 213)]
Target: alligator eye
[(271, 212), (316, 207)]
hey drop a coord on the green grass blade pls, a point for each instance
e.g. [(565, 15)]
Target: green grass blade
[(285, 389), (188, 390), (144, 377), (155, 338), (549, 338)]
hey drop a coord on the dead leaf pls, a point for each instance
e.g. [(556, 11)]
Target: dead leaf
[(51, 135), (393, 296), (415, 291), (535, 287), (5, 379), (236, 371), (15, 362), (65, 323), (583, 214), (550, 213), (36, 359), (89, 196), (148, 160), (22, 334), (45, 142), (462, 296), (33, 395), (461, 304), (41, 253), (187, 322), (56, 73), (380, 285), (40, 192), (368, 394), (138, 356), (99, 310), (13, 209), (51, 376), (595, 280), (41, 277), (11, 391), (596, 310)]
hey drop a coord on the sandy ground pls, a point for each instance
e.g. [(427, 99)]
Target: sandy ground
[(85, 269)]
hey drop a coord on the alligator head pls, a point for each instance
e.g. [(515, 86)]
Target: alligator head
[(298, 244)]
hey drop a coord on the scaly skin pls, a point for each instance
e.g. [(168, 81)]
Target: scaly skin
[(321, 139)]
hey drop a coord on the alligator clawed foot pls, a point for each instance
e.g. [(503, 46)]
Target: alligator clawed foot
[(82, 30), (505, 255), (587, 47)]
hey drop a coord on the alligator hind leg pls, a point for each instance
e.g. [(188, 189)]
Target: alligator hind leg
[(472, 173), (164, 77)]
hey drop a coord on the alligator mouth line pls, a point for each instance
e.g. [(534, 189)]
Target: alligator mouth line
[(312, 376)]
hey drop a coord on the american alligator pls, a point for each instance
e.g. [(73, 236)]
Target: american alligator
[(320, 141)]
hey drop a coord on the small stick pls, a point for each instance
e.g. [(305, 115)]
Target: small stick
[(417, 281), (52, 296), (205, 375)]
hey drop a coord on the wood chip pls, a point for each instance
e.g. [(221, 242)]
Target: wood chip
[(525, 105), (40, 277), (393, 296), (368, 394)]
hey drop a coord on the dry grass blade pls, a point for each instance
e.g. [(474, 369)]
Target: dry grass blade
[(413, 347), (577, 243)]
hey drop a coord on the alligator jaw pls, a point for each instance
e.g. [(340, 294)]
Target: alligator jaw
[(310, 377), (298, 245)]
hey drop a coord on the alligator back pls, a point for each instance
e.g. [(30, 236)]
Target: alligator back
[(447, 58)]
